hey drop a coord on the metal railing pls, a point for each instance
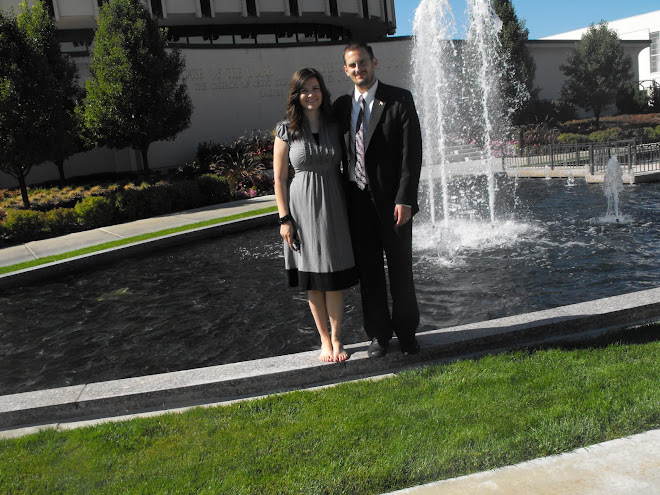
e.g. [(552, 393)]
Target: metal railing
[(643, 157), (647, 157)]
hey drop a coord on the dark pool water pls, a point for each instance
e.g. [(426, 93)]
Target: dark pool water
[(224, 300)]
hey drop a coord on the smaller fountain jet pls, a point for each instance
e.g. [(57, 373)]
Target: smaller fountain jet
[(612, 187)]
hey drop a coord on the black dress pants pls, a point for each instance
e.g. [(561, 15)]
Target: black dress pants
[(371, 236)]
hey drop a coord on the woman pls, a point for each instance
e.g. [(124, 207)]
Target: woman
[(314, 224)]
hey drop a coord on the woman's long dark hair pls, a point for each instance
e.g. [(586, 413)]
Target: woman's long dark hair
[(294, 110)]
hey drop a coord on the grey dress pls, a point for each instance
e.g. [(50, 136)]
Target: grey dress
[(318, 207)]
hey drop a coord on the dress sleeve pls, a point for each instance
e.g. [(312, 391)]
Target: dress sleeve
[(282, 131)]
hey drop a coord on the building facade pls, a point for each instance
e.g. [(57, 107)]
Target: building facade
[(639, 27), (240, 55)]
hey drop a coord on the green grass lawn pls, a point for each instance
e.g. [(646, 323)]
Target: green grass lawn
[(367, 437), (131, 240)]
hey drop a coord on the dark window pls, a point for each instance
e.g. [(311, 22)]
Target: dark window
[(206, 8), (252, 8), (157, 8), (365, 8), (655, 51), (333, 8), (293, 7)]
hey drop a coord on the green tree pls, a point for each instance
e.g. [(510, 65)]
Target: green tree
[(65, 138), (596, 70), (27, 101), (632, 99), (519, 85), (135, 95)]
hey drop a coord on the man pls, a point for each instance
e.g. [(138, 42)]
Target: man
[(384, 144)]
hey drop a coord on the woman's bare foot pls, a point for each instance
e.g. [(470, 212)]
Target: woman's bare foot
[(326, 355), (338, 352)]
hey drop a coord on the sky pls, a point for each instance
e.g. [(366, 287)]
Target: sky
[(542, 17)]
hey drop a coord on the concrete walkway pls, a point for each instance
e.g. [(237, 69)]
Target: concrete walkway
[(625, 466), (58, 245)]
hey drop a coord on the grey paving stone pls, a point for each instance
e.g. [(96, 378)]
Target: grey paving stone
[(70, 242), (15, 254)]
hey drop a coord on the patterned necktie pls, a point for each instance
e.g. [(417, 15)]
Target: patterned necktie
[(360, 171)]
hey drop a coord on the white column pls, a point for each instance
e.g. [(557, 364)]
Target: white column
[(56, 11), (95, 6), (198, 8)]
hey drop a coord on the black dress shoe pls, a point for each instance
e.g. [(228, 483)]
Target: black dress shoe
[(411, 347), (377, 349)]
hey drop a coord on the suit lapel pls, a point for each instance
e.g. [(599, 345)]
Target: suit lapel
[(376, 112), (345, 123), (345, 119)]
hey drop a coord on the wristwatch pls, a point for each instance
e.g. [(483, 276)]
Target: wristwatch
[(285, 219)]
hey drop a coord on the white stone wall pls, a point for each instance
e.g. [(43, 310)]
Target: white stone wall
[(234, 91), (549, 55)]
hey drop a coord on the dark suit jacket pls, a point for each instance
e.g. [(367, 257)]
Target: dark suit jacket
[(393, 147)]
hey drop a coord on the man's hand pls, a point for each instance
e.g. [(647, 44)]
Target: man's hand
[(402, 214)]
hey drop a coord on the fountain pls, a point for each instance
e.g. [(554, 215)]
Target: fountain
[(465, 81), (534, 245), (433, 56), (570, 180), (223, 300), (612, 186)]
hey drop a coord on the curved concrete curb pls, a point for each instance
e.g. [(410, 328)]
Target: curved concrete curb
[(576, 322)]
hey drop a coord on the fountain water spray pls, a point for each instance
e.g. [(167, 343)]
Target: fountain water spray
[(570, 181), (612, 186), (483, 51), (434, 57), (458, 88)]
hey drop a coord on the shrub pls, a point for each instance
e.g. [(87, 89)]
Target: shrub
[(25, 225), (95, 211), (572, 138), (158, 199), (264, 184), (131, 203), (540, 133), (61, 221), (208, 153), (214, 188), (185, 194), (631, 99), (610, 134)]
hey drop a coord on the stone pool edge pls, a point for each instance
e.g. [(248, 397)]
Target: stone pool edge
[(194, 387)]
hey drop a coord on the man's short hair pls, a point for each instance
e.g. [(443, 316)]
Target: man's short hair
[(356, 45)]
